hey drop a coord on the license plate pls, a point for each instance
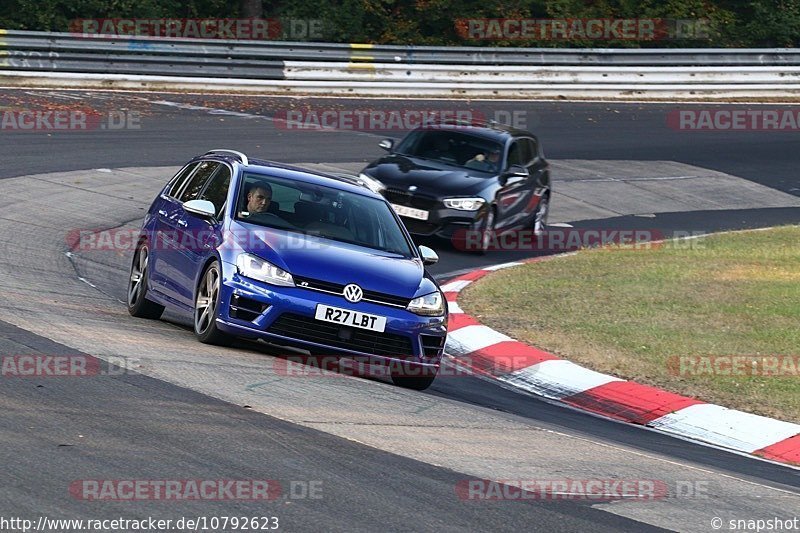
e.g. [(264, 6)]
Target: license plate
[(410, 212), (348, 317)]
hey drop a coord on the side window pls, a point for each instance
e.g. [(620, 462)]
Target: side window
[(533, 149), (198, 181), (217, 190), (180, 178), (525, 151), (285, 197), (514, 155)]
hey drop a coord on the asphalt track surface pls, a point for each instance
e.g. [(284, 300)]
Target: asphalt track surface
[(387, 458)]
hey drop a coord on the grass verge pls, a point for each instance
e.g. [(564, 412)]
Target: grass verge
[(717, 318)]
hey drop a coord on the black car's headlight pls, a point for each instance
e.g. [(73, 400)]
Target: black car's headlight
[(371, 183), (429, 305), (464, 204), (254, 267)]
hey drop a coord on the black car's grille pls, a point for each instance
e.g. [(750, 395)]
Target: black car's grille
[(401, 197), (374, 296), (310, 330)]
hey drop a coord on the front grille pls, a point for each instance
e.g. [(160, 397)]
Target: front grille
[(336, 288), (310, 330), (401, 197)]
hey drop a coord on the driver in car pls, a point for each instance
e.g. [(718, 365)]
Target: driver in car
[(487, 162), (259, 198)]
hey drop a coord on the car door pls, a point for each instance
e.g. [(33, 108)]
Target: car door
[(539, 182), (176, 242), (200, 235), (515, 191), (161, 242)]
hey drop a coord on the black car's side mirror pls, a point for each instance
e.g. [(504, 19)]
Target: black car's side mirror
[(514, 174), (387, 144)]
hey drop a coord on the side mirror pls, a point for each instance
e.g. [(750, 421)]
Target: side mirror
[(387, 144), (202, 208), (514, 174), (429, 257)]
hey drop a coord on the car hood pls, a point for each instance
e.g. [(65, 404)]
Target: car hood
[(305, 256), (431, 176)]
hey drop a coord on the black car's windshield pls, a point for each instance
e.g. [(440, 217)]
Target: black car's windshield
[(321, 211), (453, 148)]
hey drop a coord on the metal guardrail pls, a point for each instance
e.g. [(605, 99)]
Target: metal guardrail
[(65, 59)]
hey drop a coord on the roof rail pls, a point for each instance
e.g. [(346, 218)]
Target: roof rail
[(240, 155), (466, 122)]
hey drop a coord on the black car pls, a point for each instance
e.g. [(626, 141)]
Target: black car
[(464, 181)]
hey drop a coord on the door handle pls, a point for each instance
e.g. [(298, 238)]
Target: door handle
[(162, 212), (182, 223)]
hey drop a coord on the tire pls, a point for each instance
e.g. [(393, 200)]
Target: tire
[(486, 233), (413, 383), (540, 218), (206, 308), (138, 304), (401, 378)]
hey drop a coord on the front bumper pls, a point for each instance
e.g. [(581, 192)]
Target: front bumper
[(445, 223), (285, 316)]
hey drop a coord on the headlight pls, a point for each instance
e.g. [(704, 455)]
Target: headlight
[(429, 305), (254, 267), (464, 204), (373, 184)]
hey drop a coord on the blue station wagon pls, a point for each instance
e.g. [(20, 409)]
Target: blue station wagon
[(256, 249)]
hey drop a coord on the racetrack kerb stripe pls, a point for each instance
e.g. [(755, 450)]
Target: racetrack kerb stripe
[(786, 451), (494, 354), (630, 401)]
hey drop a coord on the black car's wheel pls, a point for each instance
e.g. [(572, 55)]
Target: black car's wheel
[(138, 304), (206, 307), (486, 233), (401, 379), (540, 219)]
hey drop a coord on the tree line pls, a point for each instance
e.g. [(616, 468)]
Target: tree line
[(531, 23)]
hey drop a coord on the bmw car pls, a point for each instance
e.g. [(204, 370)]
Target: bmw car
[(260, 250), (464, 181)]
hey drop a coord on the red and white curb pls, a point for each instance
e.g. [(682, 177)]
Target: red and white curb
[(500, 357)]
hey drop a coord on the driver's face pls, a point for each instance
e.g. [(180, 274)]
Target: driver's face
[(258, 200)]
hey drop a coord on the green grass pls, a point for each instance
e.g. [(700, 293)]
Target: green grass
[(629, 312)]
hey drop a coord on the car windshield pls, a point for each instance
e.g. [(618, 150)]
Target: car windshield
[(321, 211), (453, 148)]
